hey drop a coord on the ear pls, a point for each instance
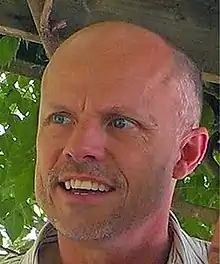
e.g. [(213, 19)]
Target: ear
[(192, 151)]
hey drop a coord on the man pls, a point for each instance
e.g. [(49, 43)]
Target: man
[(118, 126)]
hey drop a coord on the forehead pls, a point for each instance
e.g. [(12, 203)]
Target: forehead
[(116, 82)]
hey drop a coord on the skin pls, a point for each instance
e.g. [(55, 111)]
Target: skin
[(129, 74)]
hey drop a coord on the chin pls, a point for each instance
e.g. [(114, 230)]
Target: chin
[(85, 232)]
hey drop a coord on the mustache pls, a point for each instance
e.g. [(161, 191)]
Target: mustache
[(88, 167)]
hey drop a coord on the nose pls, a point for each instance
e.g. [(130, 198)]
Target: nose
[(86, 142)]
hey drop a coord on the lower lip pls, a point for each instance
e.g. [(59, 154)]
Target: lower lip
[(76, 198)]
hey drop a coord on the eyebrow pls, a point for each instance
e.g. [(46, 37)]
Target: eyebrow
[(59, 107), (115, 110), (51, 107), (130, 113)]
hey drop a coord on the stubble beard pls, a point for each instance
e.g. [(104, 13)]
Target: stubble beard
[(82, 231), (122, 219)]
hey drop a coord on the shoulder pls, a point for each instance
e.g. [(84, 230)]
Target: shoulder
[(46, 236), (195, 248), (187, 249), (11, 259), (195, 243)]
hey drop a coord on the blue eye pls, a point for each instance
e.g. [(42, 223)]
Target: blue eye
[(61, 119), (121, 123)]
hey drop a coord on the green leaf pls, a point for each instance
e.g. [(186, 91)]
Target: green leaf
[(23, 82), (6, 207), (208, 116), (11, 79), (217, 157), (25, 183), (1, 239), (14, 224), (196, 228), (28, 213), (8, 49)]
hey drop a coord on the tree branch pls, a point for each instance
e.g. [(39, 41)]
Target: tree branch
[(19, 33), (41, 11), (198, 212), (210, 77), (25, 68), (49, 36), (36, 8)]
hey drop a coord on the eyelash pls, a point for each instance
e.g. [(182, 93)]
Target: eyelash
[(109, 121), (63, 114), (121, 118)]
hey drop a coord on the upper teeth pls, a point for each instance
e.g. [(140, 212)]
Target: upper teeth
[(86, 185)]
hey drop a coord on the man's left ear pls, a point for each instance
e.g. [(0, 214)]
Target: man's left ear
[(192, 151)]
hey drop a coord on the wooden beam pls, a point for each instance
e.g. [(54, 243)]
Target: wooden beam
[(210, 77), (14, 32), (198, 212), (25, 68), (42, 18)]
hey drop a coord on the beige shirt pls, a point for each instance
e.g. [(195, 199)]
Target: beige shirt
[(184, 249)]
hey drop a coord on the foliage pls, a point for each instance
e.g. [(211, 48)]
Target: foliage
[(19, 102), (8, 47)]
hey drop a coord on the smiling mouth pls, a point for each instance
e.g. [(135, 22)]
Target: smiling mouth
[(77, 187)]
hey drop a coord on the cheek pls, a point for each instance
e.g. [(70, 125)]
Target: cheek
[(49, 149), (142, 159), (132, 156), (129, 146), (131, 152)]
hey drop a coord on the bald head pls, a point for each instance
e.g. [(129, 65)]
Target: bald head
[(131, 45)]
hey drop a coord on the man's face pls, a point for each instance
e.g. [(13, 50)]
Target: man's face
[(109, 119)]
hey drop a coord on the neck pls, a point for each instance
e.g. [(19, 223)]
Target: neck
[(149, 244)]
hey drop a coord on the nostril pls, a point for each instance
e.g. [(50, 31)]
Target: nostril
[(69, 155), (86, 157), (67, 152), (90, 157)]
